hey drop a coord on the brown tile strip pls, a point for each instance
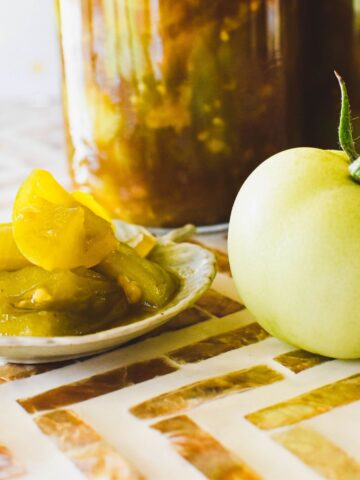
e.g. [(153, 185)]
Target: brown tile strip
[(225, 342), (308, 404), (222, 259), (203, 451), (14, 371), (187, 318), (8, 466), (319, 453), (97, 385), (299, 360), (218, 305), (85, 447), (204, 391)]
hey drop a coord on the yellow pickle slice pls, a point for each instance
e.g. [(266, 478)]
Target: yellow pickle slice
[(53, 230)]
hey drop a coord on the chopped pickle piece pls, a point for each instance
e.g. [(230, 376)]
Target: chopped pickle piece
[(136, 237), (145, 243), (10, 256), (34, 301), (37, 289), (130, 270), (53, 230)]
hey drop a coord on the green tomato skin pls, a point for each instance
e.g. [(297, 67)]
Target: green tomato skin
[(294, 248)]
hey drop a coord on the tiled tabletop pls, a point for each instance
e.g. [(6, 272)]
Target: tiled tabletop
[(208, 395)]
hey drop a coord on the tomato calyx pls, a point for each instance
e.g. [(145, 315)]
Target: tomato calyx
[(345, 132)]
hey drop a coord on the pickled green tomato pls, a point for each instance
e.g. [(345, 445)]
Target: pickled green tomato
[(144, 281), (37, 302), (34, 301), (53, 230), (294, 242)]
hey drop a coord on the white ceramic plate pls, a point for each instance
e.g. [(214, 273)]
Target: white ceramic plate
[(193, 265)]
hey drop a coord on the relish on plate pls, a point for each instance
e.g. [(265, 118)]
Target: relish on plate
[(63, 271)]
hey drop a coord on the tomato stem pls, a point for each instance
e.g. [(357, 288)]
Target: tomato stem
[(345, 132)]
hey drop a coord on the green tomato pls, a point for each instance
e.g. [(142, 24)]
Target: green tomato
[(294, 248)]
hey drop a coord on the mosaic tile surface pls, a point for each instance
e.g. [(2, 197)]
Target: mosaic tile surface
[(299, 360), (307, 405), (206, 390), (225, 342), (208, 395), (97, 385), (204, 451), (85, 447), (319, 453)]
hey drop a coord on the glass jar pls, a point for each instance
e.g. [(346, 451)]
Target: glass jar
[(170, 104)]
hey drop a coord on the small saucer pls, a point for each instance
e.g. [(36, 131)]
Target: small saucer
[(193, 265)]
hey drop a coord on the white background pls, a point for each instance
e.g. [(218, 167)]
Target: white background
[(29, 57)]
